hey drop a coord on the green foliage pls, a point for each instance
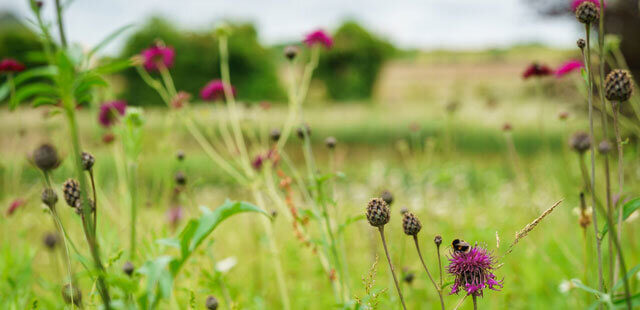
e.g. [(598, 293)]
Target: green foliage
[(17, 41), (351, 68), (197, 62)]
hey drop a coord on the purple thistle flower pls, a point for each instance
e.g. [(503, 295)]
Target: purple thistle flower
[(110, 111), (214, 90), (11, 65), (156, 54), (568, 67), (473, 271), (319, 37), (576, 3), (536, 70)]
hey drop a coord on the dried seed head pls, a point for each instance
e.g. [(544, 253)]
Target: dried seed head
[(71, 190), (604, 147), (581, 43), (411, 224), (180, 178), (211, 303), (587, 12), (387, 197), (378, 212), (87, 161), (303, 130), (180, 155), (72, 294), (275, 135), (618, 85), (291, 52), (437, 240), (49, 197), (580, 142), (128, 268), (50, 240), (46, 157), (330, 142)]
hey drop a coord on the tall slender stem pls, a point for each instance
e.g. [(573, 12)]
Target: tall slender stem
[(438, 289), (95, 201), (131, 182), (440, 265), (616, 127), (593, 156), (475, 302), (63, 37), (393, 273)]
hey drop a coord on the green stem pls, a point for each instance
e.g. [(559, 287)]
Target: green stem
[(438, 289), (95, 201), (616, 127), (153, 83), (63, 37), (475, 302), (393, 273), (133, 208)]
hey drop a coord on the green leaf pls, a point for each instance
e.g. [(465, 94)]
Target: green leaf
[(630, 274), (350, 221), (159, 281), (109, 38), (113, 67), (628, 208), (34, 89), (635, 300), (45, 71), (40, 101), (581, 286), (5, 89)]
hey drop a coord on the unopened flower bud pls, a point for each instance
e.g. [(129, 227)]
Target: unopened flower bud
[(211, 303), (46, 157), (87, 161)]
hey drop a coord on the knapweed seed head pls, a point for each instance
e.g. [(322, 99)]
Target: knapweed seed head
[(437, 240), (581, 43), (211, 303), (618, 85), (50, 240), (87, 161), (214, 90), (71, 190), (411, 224), (473, 271), (604, 147), (291, 52), (387, 197), (275, 135), (158, 55), (72, 294), (587, 12), (45, 157), (128, 268), (303, 130), (378, 213), (580, 142), (49, 197), (10, 65), (110, 112), (330, 142)]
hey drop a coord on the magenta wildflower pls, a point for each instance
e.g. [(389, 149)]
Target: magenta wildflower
[(157, 54), (536, 70), (473, 271), (214, 90), (110, 111), (568, 67), (257, 162), (576, 3), (319, 37), (11, 65), (17, 203)]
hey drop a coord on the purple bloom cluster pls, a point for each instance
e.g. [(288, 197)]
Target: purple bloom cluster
[(110, 111), (536, 70), (214, 90), (11, 65), (319, 37), (473, 271), (158, 54)]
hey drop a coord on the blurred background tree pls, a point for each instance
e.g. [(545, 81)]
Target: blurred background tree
[(253, 68), (350, 69), (17, 41)]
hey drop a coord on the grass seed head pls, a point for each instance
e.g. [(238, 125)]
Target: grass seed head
[(587, 12), (46, 157), (618, 85), (378, 212), (411, 224)]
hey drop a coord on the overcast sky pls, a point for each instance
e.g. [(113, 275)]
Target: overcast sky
[(427, 24)]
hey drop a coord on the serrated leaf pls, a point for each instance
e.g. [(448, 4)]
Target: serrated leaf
[(627, 209)]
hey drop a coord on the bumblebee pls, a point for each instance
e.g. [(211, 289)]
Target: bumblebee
[(460, 246)]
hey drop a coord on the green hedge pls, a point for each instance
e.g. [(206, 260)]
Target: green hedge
[(350, 69), (253, 70)]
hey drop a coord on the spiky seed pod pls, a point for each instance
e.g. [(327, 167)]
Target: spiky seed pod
[(50, 240), (87, 161), (604, 147), (71, 190), (581, 43), (180, 178), (580, 142), (437, 240), (387, 197), (49, 197), (291, 52), (378, 212), (618, 85), (211, 303), (302, 130), (180, 155), (411, 224), (72, 294), (330, 142), (46, 157), (275, 135), (128, 268), (587, 12)]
